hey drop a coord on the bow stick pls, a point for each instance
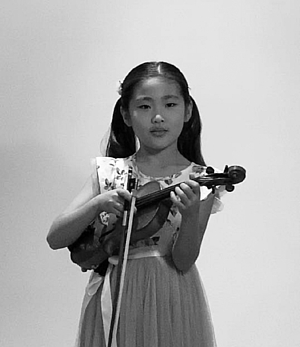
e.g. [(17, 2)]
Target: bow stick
[(123, 256)]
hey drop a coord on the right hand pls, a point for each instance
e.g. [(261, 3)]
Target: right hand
[(113, 201)]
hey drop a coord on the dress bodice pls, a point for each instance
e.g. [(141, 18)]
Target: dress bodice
[(112, 174)]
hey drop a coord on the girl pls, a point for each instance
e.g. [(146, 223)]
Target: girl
[(155, 131)]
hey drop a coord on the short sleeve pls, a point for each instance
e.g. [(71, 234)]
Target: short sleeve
[(205, 192), (219, 192), (111, 172), (218, 204)]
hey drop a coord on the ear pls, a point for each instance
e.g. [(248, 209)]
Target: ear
[(188, 113), (126, 116)]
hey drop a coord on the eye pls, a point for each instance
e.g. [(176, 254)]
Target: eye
[(144, 107), (171, 104)]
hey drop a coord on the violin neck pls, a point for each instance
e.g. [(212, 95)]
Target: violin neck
[(155, 197)]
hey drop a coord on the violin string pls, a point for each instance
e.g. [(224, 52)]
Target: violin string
[(159, 194), (154, 196), (164, 193)]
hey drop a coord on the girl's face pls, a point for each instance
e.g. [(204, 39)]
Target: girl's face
[(157, 113)]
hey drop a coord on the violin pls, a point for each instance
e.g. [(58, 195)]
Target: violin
[(91, 251)]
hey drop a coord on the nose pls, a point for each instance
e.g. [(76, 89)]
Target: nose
[(157, 118)]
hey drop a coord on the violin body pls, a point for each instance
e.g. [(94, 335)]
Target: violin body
[(151, 217), (93, 247)]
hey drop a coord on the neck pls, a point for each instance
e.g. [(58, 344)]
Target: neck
[(161, 163)]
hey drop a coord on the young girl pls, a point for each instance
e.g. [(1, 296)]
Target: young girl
[(155, 132)]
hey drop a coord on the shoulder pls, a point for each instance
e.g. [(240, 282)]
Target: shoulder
[(111, 172), (192, 168), (104, 161), (106, 165), (197, 168), (111, 161), (201, 169)]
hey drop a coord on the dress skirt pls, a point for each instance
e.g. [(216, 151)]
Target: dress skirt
[(161, 307)]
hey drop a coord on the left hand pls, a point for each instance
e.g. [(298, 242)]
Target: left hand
[(187, 197)]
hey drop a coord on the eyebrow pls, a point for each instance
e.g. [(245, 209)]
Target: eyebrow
[(171, 96), (165, 97)]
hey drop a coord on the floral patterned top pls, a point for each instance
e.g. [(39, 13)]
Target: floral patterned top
[(112, 173)]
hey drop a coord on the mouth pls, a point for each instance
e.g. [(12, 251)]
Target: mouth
[(158, 131)]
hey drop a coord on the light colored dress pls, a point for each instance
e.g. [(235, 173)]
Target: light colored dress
[(161, 306)]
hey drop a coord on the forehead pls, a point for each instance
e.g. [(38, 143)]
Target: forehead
[(157, 87)]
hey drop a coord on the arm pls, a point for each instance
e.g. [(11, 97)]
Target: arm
[(70, 224), (195, 216)]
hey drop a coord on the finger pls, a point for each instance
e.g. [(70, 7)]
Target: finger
[(185, 196), (124, 193), (115, 207), (191, 187), (181, 196), (186, 192), (176, 200)]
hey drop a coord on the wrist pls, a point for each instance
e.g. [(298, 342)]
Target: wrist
[(191, 213), (97, 204)]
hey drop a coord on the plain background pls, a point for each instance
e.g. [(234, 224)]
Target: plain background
[(60, 63)]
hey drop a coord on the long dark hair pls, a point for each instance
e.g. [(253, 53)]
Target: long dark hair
[(122, 142)]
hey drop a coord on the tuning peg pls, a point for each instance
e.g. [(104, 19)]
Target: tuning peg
[(210, 170), (229, 187)]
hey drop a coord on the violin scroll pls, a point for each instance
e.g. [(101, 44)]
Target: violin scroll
[(236, 174), (231, 175)]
